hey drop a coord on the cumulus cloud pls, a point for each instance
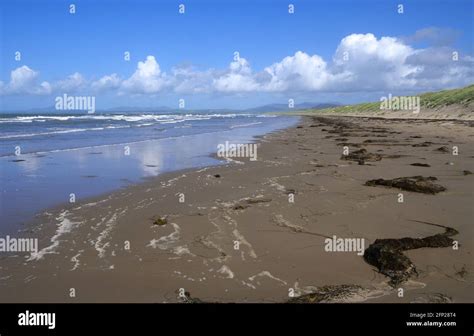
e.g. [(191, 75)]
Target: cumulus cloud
[(148, 78), (361, 62), (438, 68), (71, 83), (24, 80), (238, 78), (300, 72), (364, 62), (186, 79), (107, 82)]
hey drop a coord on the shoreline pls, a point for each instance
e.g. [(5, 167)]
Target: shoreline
[(281, 244), (33, 223), (35, 182)]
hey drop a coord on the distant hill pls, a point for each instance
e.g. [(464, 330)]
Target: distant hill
[(138, 109), (446, 104), (284, 107), (432, 100), (167, 109)]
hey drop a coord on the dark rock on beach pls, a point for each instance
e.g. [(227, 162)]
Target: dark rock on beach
[(160, 221), (416, 164), (423, 144), (387, 254), (362, 155), (443, 149), (418, 184)]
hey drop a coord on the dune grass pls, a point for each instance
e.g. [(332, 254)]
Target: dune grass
[(432, 100)]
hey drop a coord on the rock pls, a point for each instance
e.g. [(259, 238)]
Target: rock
[(240, 206), (443, 149), (258, 200), (160, 221), (419, 184), (217, 175), (423, 144), (188, 299), (467, 172), (416, 164), (362, 155)]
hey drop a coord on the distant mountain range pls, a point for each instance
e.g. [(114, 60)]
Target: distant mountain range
[(258, 109), (285, 107)]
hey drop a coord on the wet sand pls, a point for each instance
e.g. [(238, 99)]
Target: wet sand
[(237, 237)]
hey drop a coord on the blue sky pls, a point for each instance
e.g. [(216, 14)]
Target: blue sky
[(55, 44)]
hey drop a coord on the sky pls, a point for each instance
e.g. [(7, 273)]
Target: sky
[(231, 54)]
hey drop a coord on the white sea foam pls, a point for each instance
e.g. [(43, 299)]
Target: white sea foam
[(73, 130), (65, 225), (244, 241), (266, 274), (101, 242), (182, 250), (75, 260), (226, 271), (165, 242), (246, 125), (125, 117), (146, 120)]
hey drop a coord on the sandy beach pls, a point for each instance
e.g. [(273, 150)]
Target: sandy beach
[(256, 231)]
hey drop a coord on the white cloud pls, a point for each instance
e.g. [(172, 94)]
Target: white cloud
[(70, 84), (298, 72), (107, 82), (24, 80), (147, 79), (238, 78), (437, 68), (189, 80), (361, 62), (368, 63)]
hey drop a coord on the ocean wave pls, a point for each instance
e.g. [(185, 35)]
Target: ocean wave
[(121, 117), (132, 120), (29, 135), (246, 125)]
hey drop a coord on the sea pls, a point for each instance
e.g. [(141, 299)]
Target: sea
[(49, 159)]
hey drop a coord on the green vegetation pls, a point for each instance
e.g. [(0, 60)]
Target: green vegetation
[(432, 100), (464, 96)]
